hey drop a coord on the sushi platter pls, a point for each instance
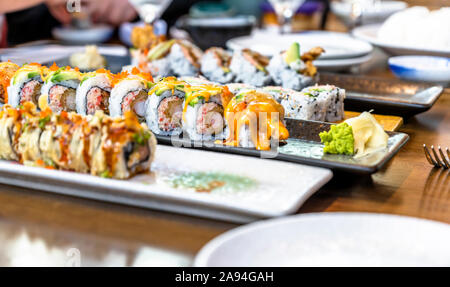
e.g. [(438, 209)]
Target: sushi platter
[(103, 126), (304, 147)]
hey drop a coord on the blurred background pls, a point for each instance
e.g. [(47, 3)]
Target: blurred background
[(32, 20)]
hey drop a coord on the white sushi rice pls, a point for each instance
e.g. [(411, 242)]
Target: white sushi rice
[(333, 97), (190, 124), (120, 91), (160, 68), (299, 105), (247, 73), (100, 80), (213, 71), (287, 77), (151, 114), (15, 91), (179, 64)]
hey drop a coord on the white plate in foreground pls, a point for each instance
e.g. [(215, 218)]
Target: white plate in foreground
[(369, 33), (336, 45), (332, 239), (201, 183)]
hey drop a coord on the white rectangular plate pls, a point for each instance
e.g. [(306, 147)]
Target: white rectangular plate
[(243, 188)]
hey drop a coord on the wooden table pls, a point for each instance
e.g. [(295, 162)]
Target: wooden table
[(38, 228)]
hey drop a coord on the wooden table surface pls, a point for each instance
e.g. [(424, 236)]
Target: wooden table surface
[(38, 228)]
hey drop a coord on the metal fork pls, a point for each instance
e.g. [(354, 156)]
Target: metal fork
[(437, 161)]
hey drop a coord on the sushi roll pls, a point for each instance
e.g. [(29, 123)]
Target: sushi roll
[(130, 92), (7, 71), (96, 144), (60, 89), (10, 128), (287, 69), (184, 58), (255, 120), (215, 65), (158, 63), (165, 107), (333, 98), (34, 124), (303, 106), (120, 156), (203, 112), (26, 85), (250, 68), (94, 92), (298, 105)]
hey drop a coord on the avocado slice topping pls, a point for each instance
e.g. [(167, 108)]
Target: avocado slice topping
[(160, 50), (293, 54)]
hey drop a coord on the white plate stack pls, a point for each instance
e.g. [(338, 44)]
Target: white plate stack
[(341, 50)]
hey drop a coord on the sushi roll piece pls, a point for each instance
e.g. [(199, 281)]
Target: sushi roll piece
[(7, 71), (26, 85), (10, 130), (298, 105), (94, 92), (250, 68), (130, 93), (60, 89), (255, 120), (97, 144), (123, 148), (155, 61), (165, 107), (333, 98), (215, 65), (289, 71), (203, 112), (185, 58), (304, 106)]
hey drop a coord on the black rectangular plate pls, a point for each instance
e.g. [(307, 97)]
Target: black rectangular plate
[(384, 96), (304, 147)]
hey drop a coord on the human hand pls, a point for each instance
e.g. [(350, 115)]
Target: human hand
[(114, 12), (58, 9)]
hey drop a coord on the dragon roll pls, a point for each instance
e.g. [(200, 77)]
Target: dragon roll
[(96, 144)]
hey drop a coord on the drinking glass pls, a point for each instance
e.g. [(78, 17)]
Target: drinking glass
[(150, 10), (285, 10)]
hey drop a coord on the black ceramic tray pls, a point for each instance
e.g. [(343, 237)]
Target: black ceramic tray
[(304, 147), (384, 96)]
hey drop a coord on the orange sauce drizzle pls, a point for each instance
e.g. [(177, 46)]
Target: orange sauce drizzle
[(255, 110)]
